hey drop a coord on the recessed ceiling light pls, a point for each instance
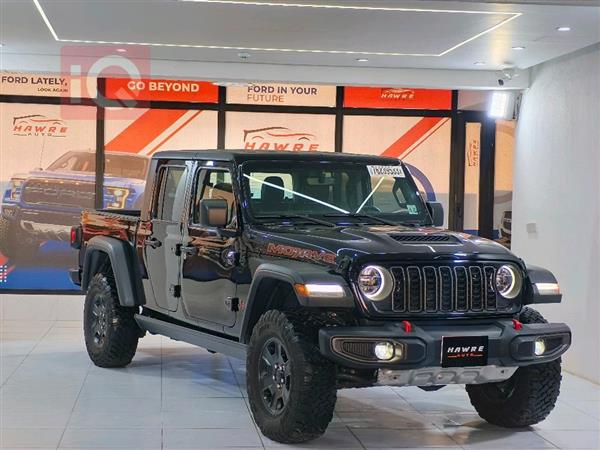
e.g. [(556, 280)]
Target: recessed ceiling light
[(479, 63), (121, 50), (362, 60), (518, 47), (564, 28)]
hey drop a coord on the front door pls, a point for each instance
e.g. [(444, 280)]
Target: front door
[(209, 254), (162, 245)]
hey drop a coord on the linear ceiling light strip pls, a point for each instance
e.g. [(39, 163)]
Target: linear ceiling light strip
[(347, 7), (291, 50)]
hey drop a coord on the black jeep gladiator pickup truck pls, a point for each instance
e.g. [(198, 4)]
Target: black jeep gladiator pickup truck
[(325, 271)]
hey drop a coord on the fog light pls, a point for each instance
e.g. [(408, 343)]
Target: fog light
[(384, 351), (540, 347)]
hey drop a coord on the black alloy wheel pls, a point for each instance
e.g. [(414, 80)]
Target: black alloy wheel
[(275, 373)]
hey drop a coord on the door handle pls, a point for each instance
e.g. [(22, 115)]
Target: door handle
[(152, 242), (189, 250)]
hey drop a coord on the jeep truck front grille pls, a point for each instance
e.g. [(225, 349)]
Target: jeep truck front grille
[(445, 289)]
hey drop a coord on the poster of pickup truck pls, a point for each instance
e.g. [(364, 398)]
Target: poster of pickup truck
[(40, 207)]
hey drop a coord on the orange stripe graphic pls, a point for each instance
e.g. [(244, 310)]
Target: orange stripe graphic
[(177, 130), (425, 137), (408, 139), (140, 133)]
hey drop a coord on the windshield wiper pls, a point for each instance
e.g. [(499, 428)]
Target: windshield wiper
[(296, 216), (363, 215)]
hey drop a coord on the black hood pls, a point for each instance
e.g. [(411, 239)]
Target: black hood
[(372, 243)]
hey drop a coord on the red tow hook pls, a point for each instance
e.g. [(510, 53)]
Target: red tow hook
[(517, 325), (407, 326)]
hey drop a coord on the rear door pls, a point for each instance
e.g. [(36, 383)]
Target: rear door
[(209, 266), (162, 246)]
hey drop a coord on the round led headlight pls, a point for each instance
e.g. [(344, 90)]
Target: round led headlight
[(508, 282), (375, 282)]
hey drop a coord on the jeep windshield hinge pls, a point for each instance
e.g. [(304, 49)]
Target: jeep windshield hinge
[(232, 303), (175, 290)]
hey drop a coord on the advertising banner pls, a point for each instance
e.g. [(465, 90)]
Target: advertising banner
[(47, 175), (423, 143), (127, 89), (15, 83), (282, 94), (292, 132), (399, 98), (131, 140)]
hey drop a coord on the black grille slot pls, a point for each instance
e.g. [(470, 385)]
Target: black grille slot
[(446, 285), (413, 275), (399, 299), (59, 192), (490, 282), (423, 238), (463, 288), (476, 288), (431, 288)]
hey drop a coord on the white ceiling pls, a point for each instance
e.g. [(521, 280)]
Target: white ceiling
[(390, 34)]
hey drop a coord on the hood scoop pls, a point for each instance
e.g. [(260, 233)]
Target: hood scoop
[(425, 239)]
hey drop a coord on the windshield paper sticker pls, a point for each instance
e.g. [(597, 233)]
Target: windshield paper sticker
[(412, 209), (386, 171)]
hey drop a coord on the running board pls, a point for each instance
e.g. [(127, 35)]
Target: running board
[(180, 333)]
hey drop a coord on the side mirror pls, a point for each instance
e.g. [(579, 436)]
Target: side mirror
[(437, 213), (213, 212)]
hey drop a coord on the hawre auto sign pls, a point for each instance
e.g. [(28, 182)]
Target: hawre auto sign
[(161, 90), (282, 94), (397, 98), (46, 85), (279, 138), (39, 125)]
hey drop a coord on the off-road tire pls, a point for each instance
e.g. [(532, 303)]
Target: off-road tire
[(312, 394), (122, 333), (533, 390), (7, 238), (15, 244)]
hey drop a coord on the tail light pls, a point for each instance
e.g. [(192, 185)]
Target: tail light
[(76, 237)]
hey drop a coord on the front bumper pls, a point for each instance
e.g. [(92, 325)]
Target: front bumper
[(44, 222), (507, 346)]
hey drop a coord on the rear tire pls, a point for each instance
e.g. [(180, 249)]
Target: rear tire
[(111, 333), (524, 399), (291, 387), (15, 244)]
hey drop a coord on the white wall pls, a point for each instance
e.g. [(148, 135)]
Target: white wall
[(557, 191)]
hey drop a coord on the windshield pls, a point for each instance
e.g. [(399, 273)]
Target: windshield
[(114, 165), (336, 192)]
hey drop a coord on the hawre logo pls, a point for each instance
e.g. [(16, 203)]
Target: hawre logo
[(300, 253), (474, 351), (39, 125), (279, 138), (473, 153), (397, 94)]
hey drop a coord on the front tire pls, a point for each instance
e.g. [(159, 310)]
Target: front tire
[(16, 244), (291, 387), (111, 333), (524, 399)]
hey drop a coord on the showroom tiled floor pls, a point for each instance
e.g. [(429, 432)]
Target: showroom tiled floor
[(178, 396)]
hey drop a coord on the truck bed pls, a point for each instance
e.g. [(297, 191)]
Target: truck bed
[(121, 224)]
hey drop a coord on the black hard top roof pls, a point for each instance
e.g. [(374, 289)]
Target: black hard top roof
[(239, 156)]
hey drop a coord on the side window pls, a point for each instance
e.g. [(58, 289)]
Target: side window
[(215, 185), (172, 194)]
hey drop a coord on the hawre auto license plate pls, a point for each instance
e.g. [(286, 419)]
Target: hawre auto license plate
[(464, 351)]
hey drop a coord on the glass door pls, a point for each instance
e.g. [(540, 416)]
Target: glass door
[(473, 173)]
